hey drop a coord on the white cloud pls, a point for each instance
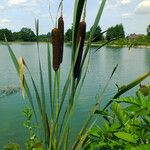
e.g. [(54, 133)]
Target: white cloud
[(4, 22), (126, 15), (21, 3), (143, 7), (1, 7), (118, 3), (26, 3), (125, 2)]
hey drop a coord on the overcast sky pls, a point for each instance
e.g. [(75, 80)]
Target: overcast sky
[(133, 14)]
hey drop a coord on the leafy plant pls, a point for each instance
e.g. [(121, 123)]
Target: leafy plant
[(123, 126), (32, 142)]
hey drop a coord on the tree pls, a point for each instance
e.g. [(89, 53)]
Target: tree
[(97, 35), (16, 36), (148, 30), (114, 32), (27, 34), (68, 35), (7, 33)]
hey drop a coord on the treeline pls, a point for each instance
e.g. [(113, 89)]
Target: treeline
[(27, 35), (111, 33)]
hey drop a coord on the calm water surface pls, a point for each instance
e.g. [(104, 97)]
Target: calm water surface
[(131, 64)]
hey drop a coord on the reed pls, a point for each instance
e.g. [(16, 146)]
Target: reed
[(61, 31), (56, 48)]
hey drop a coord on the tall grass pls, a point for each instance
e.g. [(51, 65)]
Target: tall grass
[(55, 121)]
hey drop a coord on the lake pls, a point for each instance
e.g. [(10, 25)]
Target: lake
[(131, 63)]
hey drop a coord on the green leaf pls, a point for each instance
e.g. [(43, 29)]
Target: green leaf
[(148, 103), (114, 127), (142, 147), (130, 100), (126, 136), (119, 112), (132, 108), (95, 132), (141, 99), (26, 87)]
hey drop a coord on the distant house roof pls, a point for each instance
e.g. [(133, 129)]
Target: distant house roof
[(134, 36)]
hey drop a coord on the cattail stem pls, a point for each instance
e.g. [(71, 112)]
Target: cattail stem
[(61, 11), (84, 13), (51, 16)]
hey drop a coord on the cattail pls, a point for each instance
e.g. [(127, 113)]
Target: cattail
[(56, 48), (61, 30), (80, 39)]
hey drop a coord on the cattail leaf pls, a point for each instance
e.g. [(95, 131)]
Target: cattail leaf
[(128, 87), (96, 22), (46, 138), (35, 89), (41, 109), (131, 85), (26, 87), (78, 8), (50, 77), (87, 122), (66, 86), (21, 75)]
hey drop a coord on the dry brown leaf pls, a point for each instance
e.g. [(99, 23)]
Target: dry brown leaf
[(21, 70)]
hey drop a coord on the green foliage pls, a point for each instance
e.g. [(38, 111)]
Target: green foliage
[(27, 34), (17, 36), (114, 32), (32, 141), (148, 30), (7, 33), (123, 126), (45, 37), (97, 35), (68, 35)]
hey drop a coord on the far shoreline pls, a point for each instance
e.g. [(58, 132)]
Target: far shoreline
[(69, 44)]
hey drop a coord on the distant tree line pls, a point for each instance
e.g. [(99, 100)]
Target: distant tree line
[(27, 35), (148, 30), (112, 32)]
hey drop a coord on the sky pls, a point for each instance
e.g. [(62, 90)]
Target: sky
[(133, 14)]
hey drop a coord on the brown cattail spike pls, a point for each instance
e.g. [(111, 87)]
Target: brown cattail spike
[(80, 39), (61, 30), (56, 48)]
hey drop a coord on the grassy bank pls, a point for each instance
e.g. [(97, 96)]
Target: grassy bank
[(143, 41)]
